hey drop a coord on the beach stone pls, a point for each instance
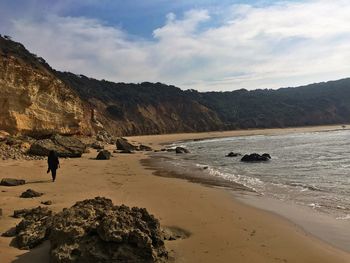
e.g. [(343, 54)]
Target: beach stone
[(49, 202), (145, 148), (30, 193), (254, 157), (9, 233), (123, 145), (233, 154), (97, 231), (181, 150), (64, 146), (103, 155), (12, 182)]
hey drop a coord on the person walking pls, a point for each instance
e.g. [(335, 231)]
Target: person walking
[(53, 164)]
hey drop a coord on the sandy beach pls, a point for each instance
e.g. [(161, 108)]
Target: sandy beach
[(222, 229)]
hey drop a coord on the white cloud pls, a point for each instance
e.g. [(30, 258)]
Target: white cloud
[(284, 44)]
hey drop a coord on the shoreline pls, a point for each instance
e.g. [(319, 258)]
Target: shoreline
[(222, 228)]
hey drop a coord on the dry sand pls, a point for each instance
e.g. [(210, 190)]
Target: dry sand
[(222, 229)]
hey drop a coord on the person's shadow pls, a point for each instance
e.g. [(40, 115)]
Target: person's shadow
[(40, 254), (39, 182)]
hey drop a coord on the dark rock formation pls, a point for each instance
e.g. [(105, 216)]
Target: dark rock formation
[(97, 231), (12, 182), (181, 150), (9, 233), (254, 157), (233, 154), (64, 146), (29, 193), (34, 228), (48, 202), (145, 148), (123, 145), (103, 155), (97, 145), (20, 213)]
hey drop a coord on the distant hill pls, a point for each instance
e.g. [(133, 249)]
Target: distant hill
[(36, 99)]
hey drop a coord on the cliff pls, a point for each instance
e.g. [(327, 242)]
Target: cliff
[(32, 99), (37, 100)]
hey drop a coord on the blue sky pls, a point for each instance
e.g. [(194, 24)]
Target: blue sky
[(205, 45)]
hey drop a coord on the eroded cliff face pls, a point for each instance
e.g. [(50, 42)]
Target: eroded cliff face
[(33, 100)]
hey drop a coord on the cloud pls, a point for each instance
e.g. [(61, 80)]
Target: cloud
[(281, 44)]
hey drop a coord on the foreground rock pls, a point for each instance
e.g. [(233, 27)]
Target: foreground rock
[(123, 145), (254, 157), (29, 193), (103, 155), (64, 146), (12, 182), (34, 228), (95, 230), (181, 150)]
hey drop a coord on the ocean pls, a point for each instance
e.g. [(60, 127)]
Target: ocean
[(308, 169)]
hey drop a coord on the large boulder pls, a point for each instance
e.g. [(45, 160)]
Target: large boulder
[(64, 146), (254, 157), (103, 155), (97, 231), (123, 145)]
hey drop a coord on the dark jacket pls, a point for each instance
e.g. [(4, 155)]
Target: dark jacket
[(53, 161)]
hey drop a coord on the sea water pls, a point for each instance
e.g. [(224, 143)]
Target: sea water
[(308, 169)]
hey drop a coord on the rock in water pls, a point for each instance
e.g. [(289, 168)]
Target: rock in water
[(123, 145), (96, 231), (63, 145), (12, 182), (103, 155), (254, 157), (29, 193), (181, 150)]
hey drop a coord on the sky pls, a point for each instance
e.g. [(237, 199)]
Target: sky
[(206, 45)]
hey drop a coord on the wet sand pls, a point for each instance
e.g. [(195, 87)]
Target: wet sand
[(222, 228)]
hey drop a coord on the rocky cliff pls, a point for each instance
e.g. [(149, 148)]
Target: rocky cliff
[(32, 99)]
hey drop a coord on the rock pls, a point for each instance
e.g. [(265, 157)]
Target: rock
[(34, 228), (97, 146), (49, 202), (145, 148), (20, 213), (103, 155), (97, 231), (9, 233), (29, 193), (181, 150), (123, 145), (12, 182), (63, 145), (233, 154), (254, 157)]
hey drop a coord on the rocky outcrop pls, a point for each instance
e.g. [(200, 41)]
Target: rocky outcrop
[(32, 99), (254, 157), (30, 193), (95, 230), (64, 146), (12, 182), (103, 155)]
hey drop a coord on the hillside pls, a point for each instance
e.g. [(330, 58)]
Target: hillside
[(35, 99)]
